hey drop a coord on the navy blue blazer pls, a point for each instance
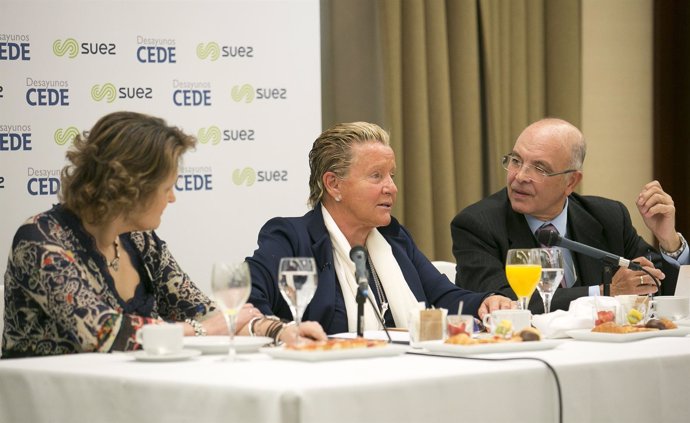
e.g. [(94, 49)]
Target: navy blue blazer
[(484, 232), (307, 236)]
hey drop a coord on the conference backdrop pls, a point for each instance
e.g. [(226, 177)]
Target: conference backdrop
[(241, 75)]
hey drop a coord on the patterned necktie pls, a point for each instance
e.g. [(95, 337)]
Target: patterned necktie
[(567, 259)]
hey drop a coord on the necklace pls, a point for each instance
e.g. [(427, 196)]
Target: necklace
[(115, 264), (381, 297)]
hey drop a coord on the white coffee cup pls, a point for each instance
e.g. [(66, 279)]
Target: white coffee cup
[(519, 319), (670, 307), (163, 339)]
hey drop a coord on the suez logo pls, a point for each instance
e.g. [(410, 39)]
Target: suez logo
[(47, 93), (213, 51), (15, 47), (65, 136), (109, 92), (213, 135), (15, 138), (71, 48), (248, 176), (247, 93)]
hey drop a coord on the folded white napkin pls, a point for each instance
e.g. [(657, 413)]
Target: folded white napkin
[(579, 316)]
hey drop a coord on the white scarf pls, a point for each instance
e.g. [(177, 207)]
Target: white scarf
[(401, 300)]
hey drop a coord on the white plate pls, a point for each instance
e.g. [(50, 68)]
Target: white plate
[(588, 335), (142, 355), (501, 347), (220, 344), (344, 354)]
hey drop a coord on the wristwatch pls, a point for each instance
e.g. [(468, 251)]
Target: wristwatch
[(675, 254)]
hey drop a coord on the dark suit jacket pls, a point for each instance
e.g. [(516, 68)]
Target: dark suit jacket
[(485, 231), (307, 236)]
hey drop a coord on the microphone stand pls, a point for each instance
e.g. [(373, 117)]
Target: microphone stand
[(607, 277), (361, 298)]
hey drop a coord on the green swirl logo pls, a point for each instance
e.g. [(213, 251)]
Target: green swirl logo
[(63, 136), (210, 134), (246, 91), (107, 92), (210, 50), (246, 176), (70, 47)]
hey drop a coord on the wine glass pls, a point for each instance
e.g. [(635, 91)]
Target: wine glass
[(297, 282), (231, 285), (523, 270), (552, 268)]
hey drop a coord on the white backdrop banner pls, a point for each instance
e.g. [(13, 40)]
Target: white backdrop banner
[(241, 75)]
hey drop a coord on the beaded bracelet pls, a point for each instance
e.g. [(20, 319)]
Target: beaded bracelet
[(199, 329)]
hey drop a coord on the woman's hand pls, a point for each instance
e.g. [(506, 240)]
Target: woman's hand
[(308, 332), (215, 324)]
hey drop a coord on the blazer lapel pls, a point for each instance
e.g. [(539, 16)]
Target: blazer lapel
[(583, 228), (519, 233), (321, 306)]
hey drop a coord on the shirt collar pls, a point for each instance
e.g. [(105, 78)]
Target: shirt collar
[(560, 221)]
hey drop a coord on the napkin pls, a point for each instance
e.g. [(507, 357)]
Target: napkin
[(579, 316)]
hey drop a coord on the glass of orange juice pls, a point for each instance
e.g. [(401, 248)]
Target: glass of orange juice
[(523, 270)]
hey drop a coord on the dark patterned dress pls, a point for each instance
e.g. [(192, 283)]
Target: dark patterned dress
[(60, 297)]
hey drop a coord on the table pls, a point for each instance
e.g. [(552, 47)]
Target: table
[(642, 381)]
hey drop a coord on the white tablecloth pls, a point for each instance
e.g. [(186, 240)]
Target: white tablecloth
[(644, 381)]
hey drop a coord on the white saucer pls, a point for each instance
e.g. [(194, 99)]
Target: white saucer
[(220, 344), (142, 355)]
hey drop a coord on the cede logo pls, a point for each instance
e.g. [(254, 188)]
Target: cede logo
[(107, 91), (210, 134), (72, 48), (15, 47), (244, 92), (156, 50), (191, 93), (49, 93), (43, 181), (15, 138), (64, 136), (210, 51), (246, 176)]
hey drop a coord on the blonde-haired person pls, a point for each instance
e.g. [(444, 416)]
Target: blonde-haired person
[(352, 192), (86, 274)]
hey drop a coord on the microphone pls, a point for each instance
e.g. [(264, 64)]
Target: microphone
[(551, 238), (359, 256)]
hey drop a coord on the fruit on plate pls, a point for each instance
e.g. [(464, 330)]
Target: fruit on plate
[(504, 328), (604, 316), (455, 329), (634, 316)]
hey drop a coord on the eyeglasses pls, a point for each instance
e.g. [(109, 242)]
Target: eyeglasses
[(534, 173)]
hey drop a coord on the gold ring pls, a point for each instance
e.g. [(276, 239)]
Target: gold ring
[(642, 280)]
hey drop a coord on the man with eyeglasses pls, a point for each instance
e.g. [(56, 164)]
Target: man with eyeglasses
[(543, 170)]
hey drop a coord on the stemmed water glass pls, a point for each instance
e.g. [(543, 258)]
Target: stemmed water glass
[(231, 285), (297, 282), (523, 270), (552, 267)]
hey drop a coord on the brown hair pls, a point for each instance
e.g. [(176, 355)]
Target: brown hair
[(332, 152), (116, 167)]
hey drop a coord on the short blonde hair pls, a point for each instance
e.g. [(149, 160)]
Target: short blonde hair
[(332, 152), (116, 167)]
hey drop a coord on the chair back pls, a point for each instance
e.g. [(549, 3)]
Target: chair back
[(447, 268)]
